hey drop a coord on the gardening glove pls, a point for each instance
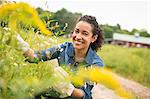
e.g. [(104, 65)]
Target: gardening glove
[(65, 88), (22, 45)]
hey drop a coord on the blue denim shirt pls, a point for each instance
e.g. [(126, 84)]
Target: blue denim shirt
[(65, 55)]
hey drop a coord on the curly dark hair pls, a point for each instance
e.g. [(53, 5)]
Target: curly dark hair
[(96, 31)]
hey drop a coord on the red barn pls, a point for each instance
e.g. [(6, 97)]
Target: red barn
[(131, 40)]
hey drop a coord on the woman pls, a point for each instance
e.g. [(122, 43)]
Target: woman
[(87, 38)]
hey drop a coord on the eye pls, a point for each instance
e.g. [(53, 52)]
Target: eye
[(76, 30), (85, 33)]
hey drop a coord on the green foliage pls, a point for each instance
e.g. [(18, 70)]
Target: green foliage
[(109, 30), (63, 16), (65, 19), (20, 79), (141, 32), (53, 24), (129, 62)]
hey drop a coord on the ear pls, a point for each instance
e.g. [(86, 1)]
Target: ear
[(94, 38)]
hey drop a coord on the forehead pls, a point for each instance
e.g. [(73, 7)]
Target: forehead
[(82, 25)]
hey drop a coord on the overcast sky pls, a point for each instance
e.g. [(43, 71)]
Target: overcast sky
[(128, 13)]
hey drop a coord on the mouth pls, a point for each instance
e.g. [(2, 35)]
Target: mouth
[(78, 42)]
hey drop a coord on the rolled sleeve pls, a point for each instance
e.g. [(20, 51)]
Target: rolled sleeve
[(48, 54)]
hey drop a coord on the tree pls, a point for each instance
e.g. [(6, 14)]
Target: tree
[(63, 16)]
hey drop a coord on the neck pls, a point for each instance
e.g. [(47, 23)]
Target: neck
[(80, 54)]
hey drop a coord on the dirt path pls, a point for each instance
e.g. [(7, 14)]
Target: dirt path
[(138, 89), (140, 92)]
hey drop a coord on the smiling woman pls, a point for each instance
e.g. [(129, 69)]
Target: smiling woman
[(86, 34), (87, 38)]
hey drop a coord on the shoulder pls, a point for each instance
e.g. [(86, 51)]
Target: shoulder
[(65, 44), (67, 47), (93, 59), (97, 60)]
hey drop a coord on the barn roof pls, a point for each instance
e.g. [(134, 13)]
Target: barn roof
[(131, 38)]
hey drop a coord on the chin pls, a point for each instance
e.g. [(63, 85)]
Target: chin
[(77, 46)]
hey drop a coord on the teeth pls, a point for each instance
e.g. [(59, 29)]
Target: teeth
[(77, 42)]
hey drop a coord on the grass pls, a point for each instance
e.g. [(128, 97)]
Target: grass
[(132, 63)]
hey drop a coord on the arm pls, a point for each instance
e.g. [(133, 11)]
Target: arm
[(66, 88), (36, 56)]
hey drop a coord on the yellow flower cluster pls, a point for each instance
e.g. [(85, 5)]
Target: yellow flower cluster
[(22, 12), (101, 76)]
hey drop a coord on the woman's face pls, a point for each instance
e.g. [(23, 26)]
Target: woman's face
[(82, 35)]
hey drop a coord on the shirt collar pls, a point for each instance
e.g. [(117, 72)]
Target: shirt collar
[(88, 58), (70, 51)]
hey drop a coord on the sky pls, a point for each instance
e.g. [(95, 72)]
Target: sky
[(128, 13)]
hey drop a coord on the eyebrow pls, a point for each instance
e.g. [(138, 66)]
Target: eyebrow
[(86, 31), (76, 28)]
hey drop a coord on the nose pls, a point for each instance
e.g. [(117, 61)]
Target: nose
[(78, 36)]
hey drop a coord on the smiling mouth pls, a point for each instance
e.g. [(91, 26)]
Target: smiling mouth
[(78, 42)]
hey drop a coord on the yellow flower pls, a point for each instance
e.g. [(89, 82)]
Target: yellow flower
[(102, 76), (22, 12)]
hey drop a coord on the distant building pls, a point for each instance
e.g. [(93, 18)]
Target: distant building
[(130, 40)]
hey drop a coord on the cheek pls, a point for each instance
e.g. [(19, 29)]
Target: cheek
[(88, 40), (73, 36)]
